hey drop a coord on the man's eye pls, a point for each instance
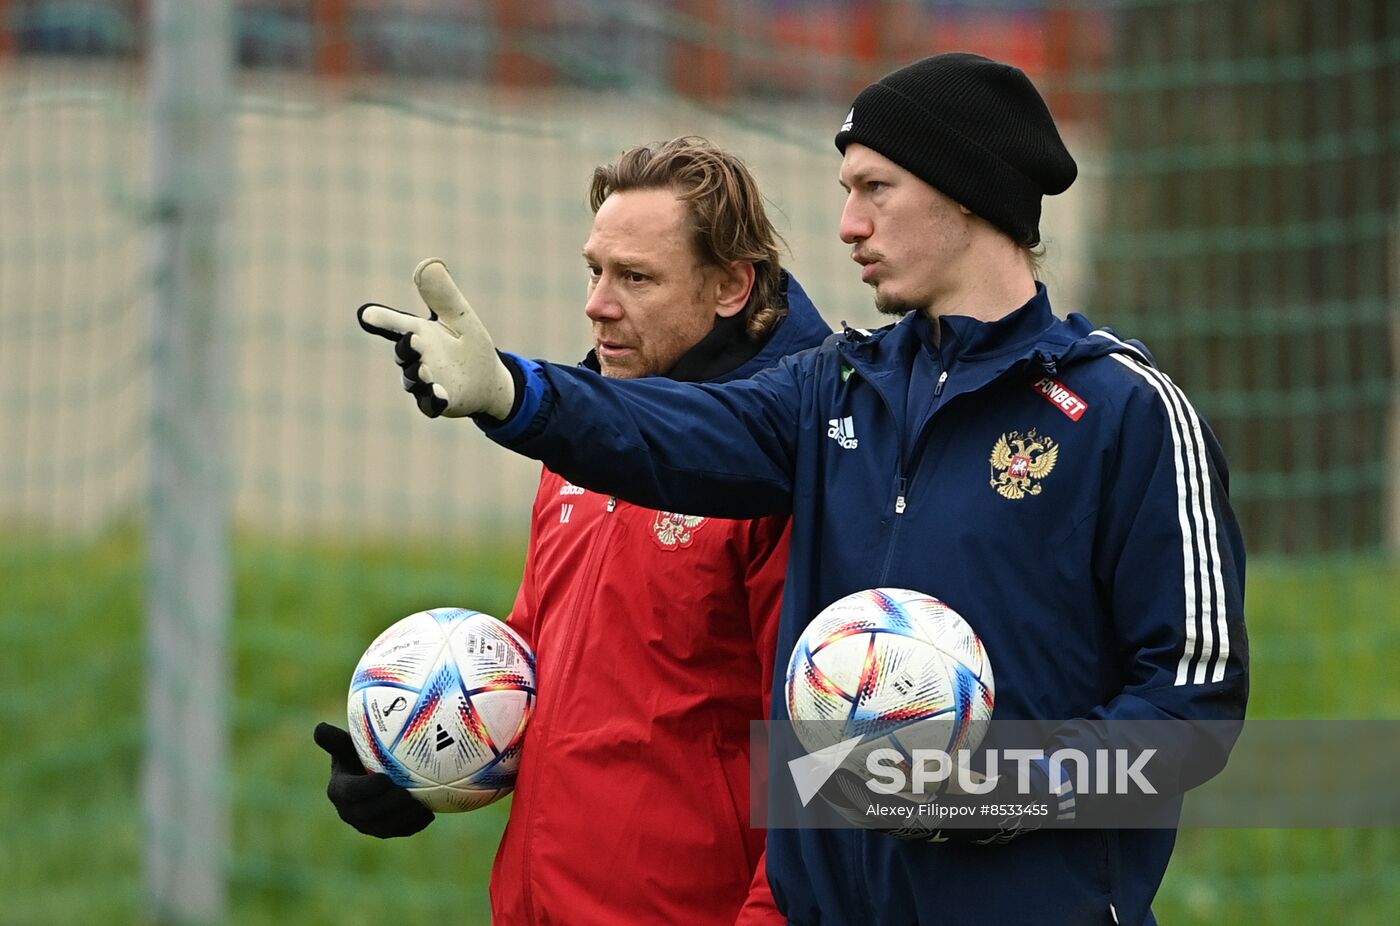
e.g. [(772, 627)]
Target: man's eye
[(635, 277), (594, 272)]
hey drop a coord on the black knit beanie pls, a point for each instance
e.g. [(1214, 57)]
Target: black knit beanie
[(973, 128)]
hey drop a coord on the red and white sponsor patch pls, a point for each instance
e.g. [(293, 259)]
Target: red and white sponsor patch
[(1060, 396)]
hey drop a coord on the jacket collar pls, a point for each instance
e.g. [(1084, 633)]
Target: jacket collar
[(1031, 331), (802, 328), (976, 352), (726, 348), (963, 339), (969, 338)]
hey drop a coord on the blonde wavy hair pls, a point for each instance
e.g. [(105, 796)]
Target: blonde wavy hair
[(726, 211)]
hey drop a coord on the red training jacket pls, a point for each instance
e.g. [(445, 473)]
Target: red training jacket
[(654, 635)]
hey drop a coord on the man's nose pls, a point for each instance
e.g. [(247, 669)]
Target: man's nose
[(855, 223), (601, 304)]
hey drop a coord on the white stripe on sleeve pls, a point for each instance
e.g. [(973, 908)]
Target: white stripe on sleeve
[(1207, 643)]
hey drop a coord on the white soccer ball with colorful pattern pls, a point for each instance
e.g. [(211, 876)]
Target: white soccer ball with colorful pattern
[(896, 667), (439, 703)]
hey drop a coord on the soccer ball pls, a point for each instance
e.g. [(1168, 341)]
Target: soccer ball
[(439, 703), (898, 668)]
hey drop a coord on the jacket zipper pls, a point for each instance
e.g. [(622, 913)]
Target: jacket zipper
[(903, 476), (595, 566), (902, 480), (902, 484)]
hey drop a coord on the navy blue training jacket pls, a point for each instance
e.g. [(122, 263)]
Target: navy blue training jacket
[(1040, 476)]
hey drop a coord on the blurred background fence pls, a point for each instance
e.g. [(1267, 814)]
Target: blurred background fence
[(1237, 209)]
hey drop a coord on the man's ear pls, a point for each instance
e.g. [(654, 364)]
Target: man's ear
[(732, 287)]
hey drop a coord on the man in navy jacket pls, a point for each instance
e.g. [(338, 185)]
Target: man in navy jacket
[(1038, 474)]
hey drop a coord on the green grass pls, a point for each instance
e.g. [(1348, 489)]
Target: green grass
[(1322, 636), (1323, 643), (71, 646)]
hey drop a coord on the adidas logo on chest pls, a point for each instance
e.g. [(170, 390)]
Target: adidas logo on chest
[(843, 431)]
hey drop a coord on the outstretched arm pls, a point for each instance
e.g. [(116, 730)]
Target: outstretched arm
[(715, 450), (720, 451)]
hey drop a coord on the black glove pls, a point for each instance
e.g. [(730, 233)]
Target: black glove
[(410, 363), (370, 802)]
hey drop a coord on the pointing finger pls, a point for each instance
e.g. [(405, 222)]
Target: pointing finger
[(389, 323)]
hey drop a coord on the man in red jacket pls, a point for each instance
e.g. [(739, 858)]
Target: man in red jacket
[(654, 631)]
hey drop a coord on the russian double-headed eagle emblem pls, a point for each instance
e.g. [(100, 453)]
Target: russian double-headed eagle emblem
[(675, 530), (1019, 460)]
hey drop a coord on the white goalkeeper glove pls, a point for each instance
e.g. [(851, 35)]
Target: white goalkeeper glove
[(449, 363)]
